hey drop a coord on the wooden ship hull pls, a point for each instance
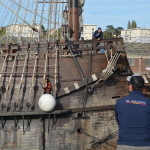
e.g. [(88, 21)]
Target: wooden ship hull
[(86, 81)]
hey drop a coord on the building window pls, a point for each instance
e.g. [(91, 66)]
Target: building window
[(131, 61), (147, 62)]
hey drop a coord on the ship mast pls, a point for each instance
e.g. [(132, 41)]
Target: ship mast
[(73, 22), (42, 21), (74, 19)]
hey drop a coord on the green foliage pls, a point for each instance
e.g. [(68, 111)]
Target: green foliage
[(107, 35), (56, 34), (43, 28), (134, 25), (110, 28), (118, 31), (129, 25), (3, 31), (112, 32)]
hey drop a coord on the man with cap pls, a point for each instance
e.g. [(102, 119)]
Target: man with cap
[(133, 117)]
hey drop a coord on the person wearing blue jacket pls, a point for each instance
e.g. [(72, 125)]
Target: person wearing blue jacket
[(133, 117), (98, 34)]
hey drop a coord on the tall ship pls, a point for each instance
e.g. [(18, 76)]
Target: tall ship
[(57, 90)]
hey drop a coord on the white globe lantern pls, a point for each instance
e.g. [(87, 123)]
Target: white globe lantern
[(47, 102)]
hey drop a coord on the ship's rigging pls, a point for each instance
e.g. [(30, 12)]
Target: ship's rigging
[(41, 42), (36, 21)]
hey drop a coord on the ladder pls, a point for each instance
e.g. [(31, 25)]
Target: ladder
[(109, 69)]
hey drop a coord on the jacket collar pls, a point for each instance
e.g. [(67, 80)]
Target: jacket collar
[(136, 92)]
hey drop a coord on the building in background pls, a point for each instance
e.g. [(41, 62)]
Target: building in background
[(138, 55), (88, 31), (22, 30), (138, 35)]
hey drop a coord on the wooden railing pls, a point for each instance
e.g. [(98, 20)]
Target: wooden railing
[(80, 46)]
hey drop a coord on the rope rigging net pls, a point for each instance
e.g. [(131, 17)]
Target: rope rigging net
[(32, 20)]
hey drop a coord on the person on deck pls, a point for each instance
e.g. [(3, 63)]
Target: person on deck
[(133, 117), (98, 34)]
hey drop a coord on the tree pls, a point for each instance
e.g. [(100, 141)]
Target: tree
[(2, 31), (118, 31), (134, 25), (56, 34), (112, 32), (129, 25), (43, 31), (110, 28), (109, 32), (43, 28), (106, 35)]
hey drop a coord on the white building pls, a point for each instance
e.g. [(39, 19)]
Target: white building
[(138, 35), (88, 31), (22, 31)]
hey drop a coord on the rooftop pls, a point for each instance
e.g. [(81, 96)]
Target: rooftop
[(135, 29), (138, 49)]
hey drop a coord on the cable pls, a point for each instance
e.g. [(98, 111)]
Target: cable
[(87, 88), (99, 142)]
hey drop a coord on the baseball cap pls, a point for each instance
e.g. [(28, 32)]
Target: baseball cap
[(136, 79), (134, 75)]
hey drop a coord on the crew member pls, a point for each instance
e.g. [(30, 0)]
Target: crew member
[(133, 117), (98, 34)]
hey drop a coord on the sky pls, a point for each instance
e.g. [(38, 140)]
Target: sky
[(97, 12), (117, 13)]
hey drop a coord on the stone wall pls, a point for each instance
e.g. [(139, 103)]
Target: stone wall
[(42, 134)]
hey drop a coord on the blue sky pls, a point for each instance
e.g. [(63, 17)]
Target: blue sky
[(117, 12)]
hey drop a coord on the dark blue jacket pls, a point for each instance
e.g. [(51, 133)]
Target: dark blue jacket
[(97, 35), (133, 117)]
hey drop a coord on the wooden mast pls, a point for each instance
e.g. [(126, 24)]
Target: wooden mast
[(74, 19)]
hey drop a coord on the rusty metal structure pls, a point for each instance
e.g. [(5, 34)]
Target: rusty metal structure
[(86, 79)]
